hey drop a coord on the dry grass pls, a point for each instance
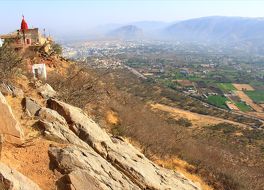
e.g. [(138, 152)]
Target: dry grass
[(198, 120), (183, 167), (112, 118), (174, 163)]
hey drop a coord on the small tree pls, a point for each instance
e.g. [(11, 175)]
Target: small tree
[(9, 61), (56, 48)]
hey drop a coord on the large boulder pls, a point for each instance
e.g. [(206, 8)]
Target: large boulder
[(76, 162), (80, 123), (51, 116), (9, 126), (57, 132), (81, 165), (46, 91), (30, 106), (11, 179), (78, 180), (119, 153)]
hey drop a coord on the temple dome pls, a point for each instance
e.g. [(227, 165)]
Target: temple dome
[(24, 25)]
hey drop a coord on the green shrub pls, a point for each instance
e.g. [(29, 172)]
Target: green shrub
[(9, 62), (224, 127), (182, 122), (56, 48), (254, 134)]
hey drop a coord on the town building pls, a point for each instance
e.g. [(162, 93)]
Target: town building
[(26, 37)]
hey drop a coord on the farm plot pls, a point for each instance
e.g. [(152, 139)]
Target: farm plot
[(219, 101), (248, 101), (226, 87), (243, 107), (232, 106), (185, 83), (257, 95), (243, 87)]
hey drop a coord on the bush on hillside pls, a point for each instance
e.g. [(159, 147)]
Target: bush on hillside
[(56, 48), (224, 127), (9, 62)]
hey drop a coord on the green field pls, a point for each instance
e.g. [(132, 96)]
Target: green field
[(242, 106), (218, 101), (257, 95), (226, 87)]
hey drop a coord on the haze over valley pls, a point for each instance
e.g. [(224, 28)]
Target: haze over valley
[(132, 95)]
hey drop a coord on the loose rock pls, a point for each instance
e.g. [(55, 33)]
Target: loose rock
[(9, 124), (51, 116), (46, 91), (17, 92), (30, 106), (11, 179)]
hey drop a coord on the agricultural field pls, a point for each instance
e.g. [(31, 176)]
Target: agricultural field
[(257, 96), (218, 101), (226, 87), (185, 83), (243, 96), (243, 87), (243, 107)]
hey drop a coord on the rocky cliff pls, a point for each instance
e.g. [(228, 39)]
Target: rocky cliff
[(81, 154)]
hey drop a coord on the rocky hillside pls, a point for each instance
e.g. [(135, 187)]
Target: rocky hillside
[(49, 144)]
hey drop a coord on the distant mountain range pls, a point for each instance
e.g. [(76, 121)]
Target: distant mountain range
[(215, 29), (127, 32), (237, 33)]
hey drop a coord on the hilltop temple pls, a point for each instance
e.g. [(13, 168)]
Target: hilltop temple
[(26, 37)]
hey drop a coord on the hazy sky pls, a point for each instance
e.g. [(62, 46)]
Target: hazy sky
[(82, 15)]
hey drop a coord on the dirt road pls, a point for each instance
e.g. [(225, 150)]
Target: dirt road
[(198, 120)]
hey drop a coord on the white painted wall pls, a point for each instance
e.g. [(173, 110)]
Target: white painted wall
[(1, 42), (41, 69)]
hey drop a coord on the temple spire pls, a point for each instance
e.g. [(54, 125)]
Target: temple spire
[(24, 25)]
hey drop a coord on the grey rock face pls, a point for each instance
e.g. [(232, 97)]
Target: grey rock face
[(6, 90), (75, 162), (127, 159), (78, 180), (80, 160), (46, 91), (51, 116), (30, 106), (9, 124), (11, 179), (18, 92)]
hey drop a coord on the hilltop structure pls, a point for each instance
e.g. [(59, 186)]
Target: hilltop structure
[(26, 37)]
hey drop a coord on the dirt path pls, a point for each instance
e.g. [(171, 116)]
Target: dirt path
[(245, 98), (198, 120), (32, 161)]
